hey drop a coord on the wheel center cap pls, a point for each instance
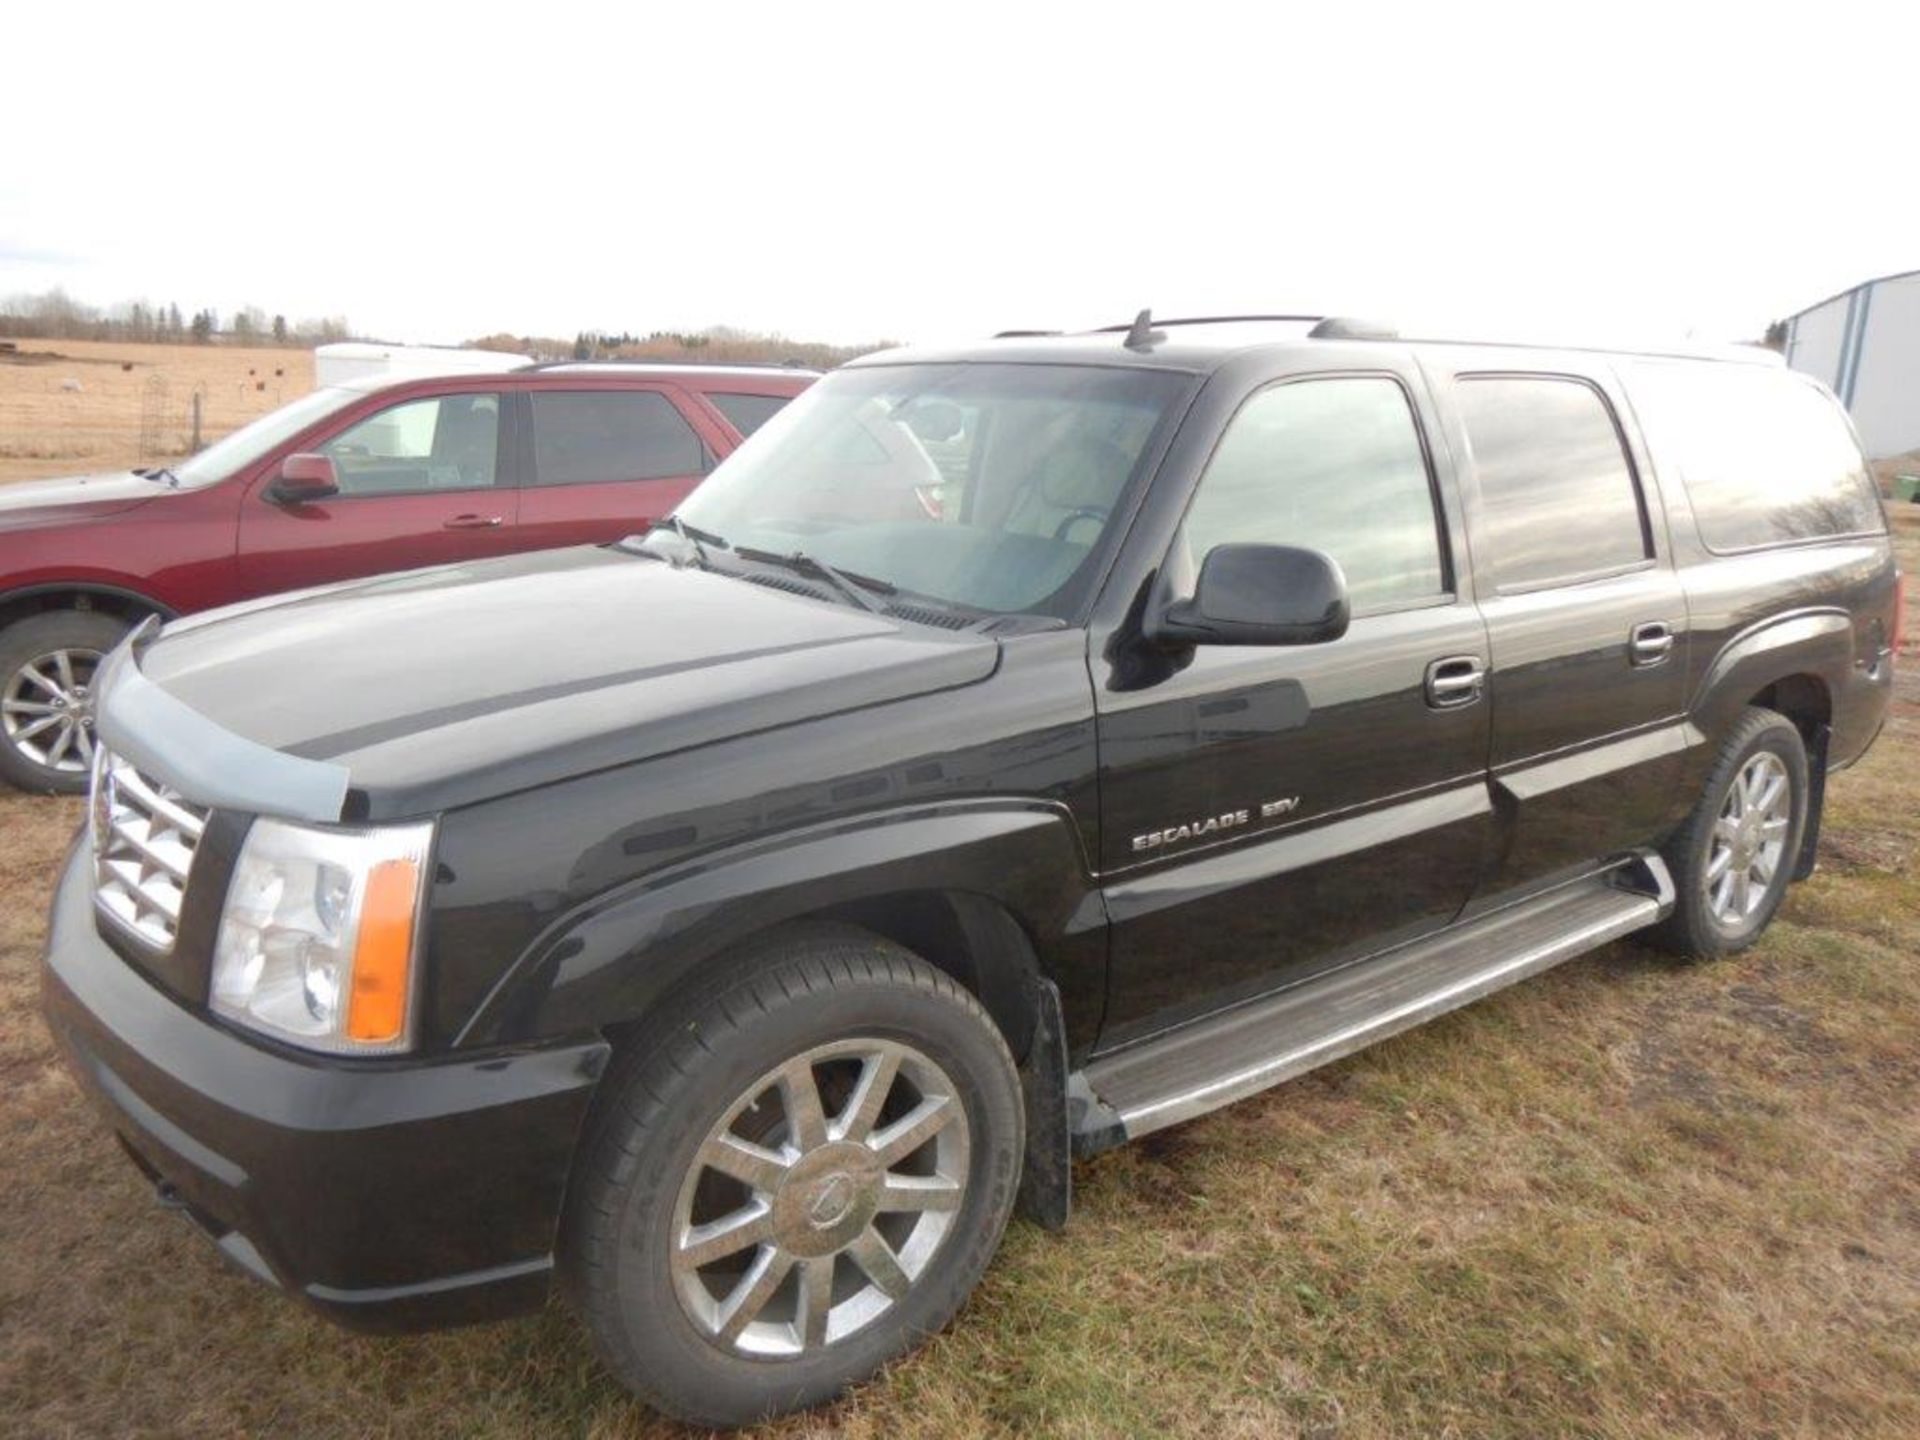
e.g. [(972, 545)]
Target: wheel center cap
[(831, 1201), (827, 1199)]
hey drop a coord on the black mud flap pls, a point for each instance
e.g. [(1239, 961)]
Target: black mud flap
[(1046, 1175), (1809, 855)]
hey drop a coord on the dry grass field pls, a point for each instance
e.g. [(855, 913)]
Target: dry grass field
[(127, 393), (1630, 1198)]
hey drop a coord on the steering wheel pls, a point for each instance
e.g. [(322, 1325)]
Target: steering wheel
[(1075, 516)]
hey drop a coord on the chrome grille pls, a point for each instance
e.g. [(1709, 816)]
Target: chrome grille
[(144, 837)]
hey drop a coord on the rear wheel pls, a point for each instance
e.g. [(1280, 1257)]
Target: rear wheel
[(47, 665), (1733, 858), (802, 1176)]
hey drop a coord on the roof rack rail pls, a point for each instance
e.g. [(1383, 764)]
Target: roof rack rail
[(1199, 320), (1023, 334), (669, 363), (1345, 327)]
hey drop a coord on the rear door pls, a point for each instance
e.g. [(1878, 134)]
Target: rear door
[(1585, 617), (1270, 812), (605, 463), (423, 481)]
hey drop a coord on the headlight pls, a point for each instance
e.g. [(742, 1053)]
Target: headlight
[(318, 935)]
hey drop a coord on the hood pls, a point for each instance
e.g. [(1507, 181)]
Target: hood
[(440, 687), (25, 504)]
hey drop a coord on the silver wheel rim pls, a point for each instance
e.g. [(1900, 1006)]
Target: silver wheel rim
[(46, 711), (820, 1198), (1749, 839)]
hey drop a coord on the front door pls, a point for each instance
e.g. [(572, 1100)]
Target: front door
[(421, 483), (1269, 812), (1585, 617)]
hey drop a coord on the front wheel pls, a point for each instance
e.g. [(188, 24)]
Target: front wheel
[(800, 1179), (1733, 858), (47, 663)]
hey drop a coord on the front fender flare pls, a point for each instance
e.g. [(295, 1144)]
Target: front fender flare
[(610, 961)]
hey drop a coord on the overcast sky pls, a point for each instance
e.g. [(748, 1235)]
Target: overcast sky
[(853, 171)]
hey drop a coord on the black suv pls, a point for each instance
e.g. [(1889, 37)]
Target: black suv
[(1010, 751)]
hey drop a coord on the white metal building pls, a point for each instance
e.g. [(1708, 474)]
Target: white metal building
[(353, 359), (1865, 344)]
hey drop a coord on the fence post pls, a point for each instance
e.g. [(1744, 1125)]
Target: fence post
[(196, 422)]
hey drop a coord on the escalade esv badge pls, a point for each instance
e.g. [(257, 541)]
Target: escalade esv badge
[(1213, 824)]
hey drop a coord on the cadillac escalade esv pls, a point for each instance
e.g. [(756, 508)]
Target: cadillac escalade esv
[(1008, 752)]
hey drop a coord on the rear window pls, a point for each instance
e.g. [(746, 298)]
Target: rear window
[(1766, 457), (588, 437), (1558, 500), (747, 413)]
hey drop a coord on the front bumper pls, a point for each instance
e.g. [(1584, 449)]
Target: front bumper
[(391, 1195)]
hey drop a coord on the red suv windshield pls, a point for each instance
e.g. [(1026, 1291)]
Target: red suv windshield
[(236, 451)]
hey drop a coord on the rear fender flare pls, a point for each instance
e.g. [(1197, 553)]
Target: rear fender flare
[(1816, 642)]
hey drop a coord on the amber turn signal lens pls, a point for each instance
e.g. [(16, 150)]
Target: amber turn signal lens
[(377, 1008)]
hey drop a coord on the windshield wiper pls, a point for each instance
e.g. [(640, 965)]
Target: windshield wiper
[(693, 536), (162, 474), (849, 583)]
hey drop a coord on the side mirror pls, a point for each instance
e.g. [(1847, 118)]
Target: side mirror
[(303, 479), (1257, 595)]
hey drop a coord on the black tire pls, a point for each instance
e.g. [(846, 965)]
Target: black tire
[(660, 1105), (1694, 929), (74, 633)]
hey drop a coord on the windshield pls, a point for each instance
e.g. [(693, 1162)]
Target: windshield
[(236, 451), (985, 486)]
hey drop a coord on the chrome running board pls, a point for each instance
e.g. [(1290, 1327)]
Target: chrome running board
[(1226, 1057)]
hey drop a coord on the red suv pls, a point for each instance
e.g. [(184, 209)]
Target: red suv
[(351, 480)]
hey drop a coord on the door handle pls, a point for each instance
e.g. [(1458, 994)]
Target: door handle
[(472, 522), (1650, 643), (1455, 680)]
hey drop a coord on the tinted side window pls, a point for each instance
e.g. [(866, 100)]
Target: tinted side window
[(449, 442), (1332, 465), (1765, 457), (747, 413), (585, 437), (1557, 494)]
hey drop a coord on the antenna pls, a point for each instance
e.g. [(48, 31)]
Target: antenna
[(1142, 334)]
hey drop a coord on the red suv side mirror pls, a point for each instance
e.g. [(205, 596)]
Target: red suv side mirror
[(304, 478)]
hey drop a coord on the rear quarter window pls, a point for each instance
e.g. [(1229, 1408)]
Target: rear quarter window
[(1766, 457), (747, 413)]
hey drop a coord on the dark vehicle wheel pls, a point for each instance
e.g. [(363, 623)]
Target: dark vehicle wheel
[(793, 1179), (1732, 859), (46, 713)]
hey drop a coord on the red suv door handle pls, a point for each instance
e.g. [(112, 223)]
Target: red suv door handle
[(471, 522)]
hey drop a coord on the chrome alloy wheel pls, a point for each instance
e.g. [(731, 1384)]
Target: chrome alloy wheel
[(45, 710), (819, 1198), (1749, 839)]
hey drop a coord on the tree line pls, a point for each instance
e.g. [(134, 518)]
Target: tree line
[(56, 315), (715, 344)]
